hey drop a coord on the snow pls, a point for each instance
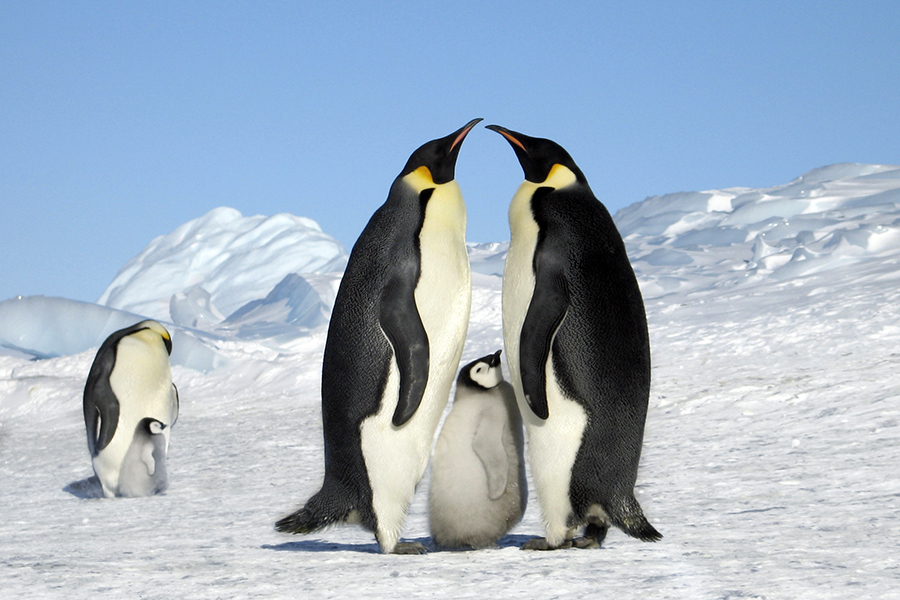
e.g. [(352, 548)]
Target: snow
[(770, 454), (224, 252)]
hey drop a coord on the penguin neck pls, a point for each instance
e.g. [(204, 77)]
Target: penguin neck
[(521, 214), (445, 209), (419, 179)]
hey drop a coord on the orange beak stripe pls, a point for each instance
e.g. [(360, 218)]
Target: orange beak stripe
[(462, 134), (513, 140)]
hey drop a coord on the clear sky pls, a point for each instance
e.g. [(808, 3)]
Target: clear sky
[(120, 121)]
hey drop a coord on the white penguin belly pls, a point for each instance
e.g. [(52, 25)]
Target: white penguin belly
[(553, 443), (552, 447), (444, 292), (396, 457), (142, 391)]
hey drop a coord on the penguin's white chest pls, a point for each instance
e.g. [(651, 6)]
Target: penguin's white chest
[(444, 291), (518, 277)]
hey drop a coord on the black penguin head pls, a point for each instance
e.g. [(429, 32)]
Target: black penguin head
[(109, 345), (538, 156), (483, 373), (151, 426), (155, 328), (439, 156)]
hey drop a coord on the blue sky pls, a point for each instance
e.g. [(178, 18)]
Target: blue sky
[(121, 120)]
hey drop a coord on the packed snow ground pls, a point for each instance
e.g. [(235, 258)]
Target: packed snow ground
[(770, 456)]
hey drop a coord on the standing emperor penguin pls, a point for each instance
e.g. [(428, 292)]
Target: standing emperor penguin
[(577, 348), (394, 342), (130, 406), (478, 487)]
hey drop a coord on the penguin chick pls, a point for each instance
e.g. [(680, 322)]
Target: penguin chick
[(130, 406), (478, 487), (143, 470)]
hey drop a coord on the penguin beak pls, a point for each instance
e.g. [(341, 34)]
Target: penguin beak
[(495, 360), (462, 133), (438, 156), (537, 156), (509, 135)]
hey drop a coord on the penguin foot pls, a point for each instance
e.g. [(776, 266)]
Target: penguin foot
[(585, 543), (594, 535), (542, 544), (410, 548)]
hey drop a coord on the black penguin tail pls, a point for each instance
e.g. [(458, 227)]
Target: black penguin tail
[(630, 518), (327, 507)]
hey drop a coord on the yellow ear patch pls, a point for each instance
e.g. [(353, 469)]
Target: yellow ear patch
[(559, 177), (154, 327), (420, 179)]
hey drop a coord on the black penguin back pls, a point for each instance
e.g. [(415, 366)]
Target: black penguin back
[(601, 352)]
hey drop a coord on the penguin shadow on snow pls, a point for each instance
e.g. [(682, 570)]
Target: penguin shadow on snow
[(327, 546), (86, 488), (508, 541), (90, 488)]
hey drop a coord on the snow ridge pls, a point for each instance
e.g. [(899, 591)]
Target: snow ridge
[(829, 217), (236, 259)]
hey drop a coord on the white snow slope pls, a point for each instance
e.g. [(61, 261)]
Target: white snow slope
[(770, 459)]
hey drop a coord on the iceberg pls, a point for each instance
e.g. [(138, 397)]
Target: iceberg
[(47, 327)]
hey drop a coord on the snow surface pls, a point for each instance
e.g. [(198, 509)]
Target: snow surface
[(771, 448)]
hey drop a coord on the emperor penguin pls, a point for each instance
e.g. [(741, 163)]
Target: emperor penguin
[(578, 350), (478, 488), (393, 346), (130, 406)]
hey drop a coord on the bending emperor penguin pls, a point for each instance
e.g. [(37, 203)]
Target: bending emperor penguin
[(478, 487), (130, 405), (577, 348), (394, 342)]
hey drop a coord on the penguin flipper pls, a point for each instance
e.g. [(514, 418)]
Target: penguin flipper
[(401, 323), (175, 405), (101, 410), (488, 447), (545, 313)]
